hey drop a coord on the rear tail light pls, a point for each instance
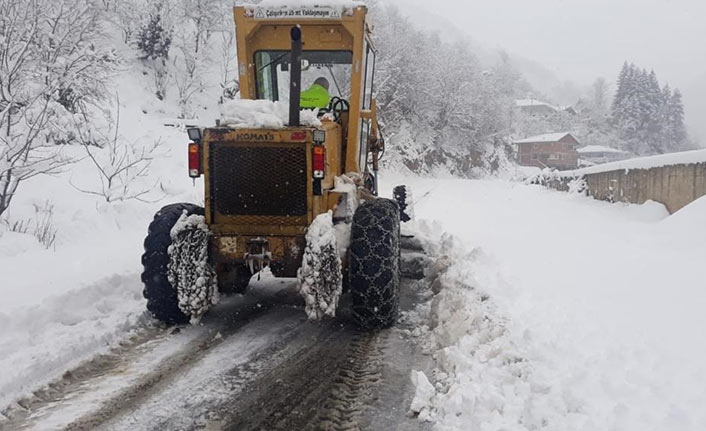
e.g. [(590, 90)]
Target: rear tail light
[(194, 160), (319, 161)]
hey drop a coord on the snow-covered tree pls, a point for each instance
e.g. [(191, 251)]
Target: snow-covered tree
[(648, 118), (121, 165), (438, 105), (51, 70), (153, 40)]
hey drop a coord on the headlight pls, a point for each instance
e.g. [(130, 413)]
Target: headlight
[(319, 136), (194, 134)]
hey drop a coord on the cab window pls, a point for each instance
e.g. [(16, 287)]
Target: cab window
[(272, 72)]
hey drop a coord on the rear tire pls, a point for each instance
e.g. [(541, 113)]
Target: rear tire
[(162, 300), (374, 265)]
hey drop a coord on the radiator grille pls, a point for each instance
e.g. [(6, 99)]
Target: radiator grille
[(253, 181)]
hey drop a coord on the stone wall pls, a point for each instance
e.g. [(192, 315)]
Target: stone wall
[(675, 186)]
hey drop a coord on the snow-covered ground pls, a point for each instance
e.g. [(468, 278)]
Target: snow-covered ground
[(564, 313), (65, 304)]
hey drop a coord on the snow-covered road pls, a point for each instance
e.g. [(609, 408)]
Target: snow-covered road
[(255, 362), (601, 303)]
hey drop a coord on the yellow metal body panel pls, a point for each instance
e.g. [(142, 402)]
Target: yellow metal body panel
[(275, 225), (285, 234), (348, 33)]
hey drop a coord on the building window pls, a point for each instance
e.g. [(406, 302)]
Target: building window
[(555, 157)]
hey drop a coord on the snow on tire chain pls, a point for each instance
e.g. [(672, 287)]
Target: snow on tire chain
[(255, 363)]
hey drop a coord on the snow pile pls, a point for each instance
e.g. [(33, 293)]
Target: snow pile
[(484, 380), (263, 114), (38, 343), (189, 270), (423, 395), (688, 222), (320, 278), (568, 313)]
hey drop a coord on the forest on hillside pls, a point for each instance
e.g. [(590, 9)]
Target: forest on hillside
[(442, 110)]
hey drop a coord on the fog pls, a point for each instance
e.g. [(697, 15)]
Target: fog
[(581, 40)]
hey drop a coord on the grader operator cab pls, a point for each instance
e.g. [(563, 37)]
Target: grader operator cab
[(264, 187)]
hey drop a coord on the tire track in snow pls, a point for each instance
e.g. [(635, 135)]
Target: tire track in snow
[(199, 390), (88, 395), (342, 382), (352, 388), (247, 367)]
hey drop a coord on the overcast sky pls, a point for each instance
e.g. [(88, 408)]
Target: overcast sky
[(583, 38), (580, 40)]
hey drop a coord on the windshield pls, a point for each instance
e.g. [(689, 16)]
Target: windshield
[(272, 72)]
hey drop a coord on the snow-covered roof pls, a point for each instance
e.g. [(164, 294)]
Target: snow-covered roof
[(521, 103), (599, 149), (549, 137)]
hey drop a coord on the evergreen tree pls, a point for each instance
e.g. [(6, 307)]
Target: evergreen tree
[(153, 40), (622, 90), (676, 131), (649, 119)]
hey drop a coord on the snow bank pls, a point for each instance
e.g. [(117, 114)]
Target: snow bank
[(688, 221), (38, 344), (189, 270), (256, 114), (564, 313), (485, 380), (320, 278)]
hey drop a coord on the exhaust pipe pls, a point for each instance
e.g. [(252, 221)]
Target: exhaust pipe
[(295, 77)]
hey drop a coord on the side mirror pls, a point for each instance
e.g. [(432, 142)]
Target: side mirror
[(305, 65)]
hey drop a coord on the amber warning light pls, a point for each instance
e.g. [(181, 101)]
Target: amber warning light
[(194, 160)]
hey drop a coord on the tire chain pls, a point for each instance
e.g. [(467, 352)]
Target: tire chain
[(375, 264), (188, 266), (161, 297)]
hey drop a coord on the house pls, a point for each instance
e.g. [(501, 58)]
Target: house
[(597, 154), (535, 107), (552, 150)]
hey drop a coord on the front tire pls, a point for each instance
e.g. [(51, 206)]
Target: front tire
[(162, 299), (374, 265)]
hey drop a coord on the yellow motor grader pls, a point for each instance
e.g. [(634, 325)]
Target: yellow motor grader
[(265, 186)]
